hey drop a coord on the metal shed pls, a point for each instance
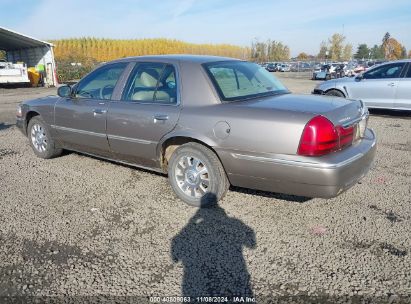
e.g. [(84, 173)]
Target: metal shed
[(31, 51)]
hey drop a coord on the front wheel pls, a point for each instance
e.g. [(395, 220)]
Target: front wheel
[(197, 176), (335, 93), (41, 140)]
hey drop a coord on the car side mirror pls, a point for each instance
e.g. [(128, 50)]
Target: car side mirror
[(64, 91)]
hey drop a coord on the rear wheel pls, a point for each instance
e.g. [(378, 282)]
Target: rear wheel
[(335, 93), (40, 139), (197, 176)]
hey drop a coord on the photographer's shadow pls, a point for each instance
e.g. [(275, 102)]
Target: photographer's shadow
[(210, 247)]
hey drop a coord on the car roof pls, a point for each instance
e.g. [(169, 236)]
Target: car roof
[(177, 58), (401, 60), (391, 61)]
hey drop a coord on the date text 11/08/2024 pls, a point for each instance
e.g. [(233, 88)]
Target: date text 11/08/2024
[(234, 299)]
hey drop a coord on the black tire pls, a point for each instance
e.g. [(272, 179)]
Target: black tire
[(218, 183), (50, 149), (335, 93)]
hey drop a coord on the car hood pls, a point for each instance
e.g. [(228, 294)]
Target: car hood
[(336, 109), (344, 79), (334, 82)]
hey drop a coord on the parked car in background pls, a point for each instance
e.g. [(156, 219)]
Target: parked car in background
[(349, 69), (303, 67), (387, 86), (271, 67), (283, 67), (207, 122), (322, 72)]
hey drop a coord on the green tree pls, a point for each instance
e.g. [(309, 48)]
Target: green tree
[(377, 52), (363, 52)]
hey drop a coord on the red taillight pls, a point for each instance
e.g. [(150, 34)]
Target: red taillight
[(320, 137), (346, 135)]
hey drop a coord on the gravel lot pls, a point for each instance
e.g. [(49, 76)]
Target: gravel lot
[(81, 227)]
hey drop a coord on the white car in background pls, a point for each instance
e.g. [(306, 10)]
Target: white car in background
[(284, 68)]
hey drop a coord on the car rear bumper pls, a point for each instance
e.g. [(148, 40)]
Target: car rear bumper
[(325, 177)]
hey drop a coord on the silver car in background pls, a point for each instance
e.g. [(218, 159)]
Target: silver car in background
[(386, 86)]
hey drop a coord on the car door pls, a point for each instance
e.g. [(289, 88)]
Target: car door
[(80, 120), (377, 86), (147, 110), (403, 93)]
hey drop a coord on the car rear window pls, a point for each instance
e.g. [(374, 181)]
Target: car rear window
[(239, 80)]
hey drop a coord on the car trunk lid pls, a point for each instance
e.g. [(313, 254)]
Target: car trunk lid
[(338, 110), (349, 117)]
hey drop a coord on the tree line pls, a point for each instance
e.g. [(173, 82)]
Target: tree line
[(389, 49), (91, 51), (76, 57), (336, 50), (270, 50), (103, 50)]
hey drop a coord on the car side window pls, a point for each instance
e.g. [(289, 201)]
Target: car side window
[(385, 71), (409, 71), (152, 83), (101, 83)]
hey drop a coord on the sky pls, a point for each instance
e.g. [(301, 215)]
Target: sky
[(301, 25)]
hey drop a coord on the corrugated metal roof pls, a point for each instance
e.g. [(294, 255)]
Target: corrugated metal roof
[(11, 40)]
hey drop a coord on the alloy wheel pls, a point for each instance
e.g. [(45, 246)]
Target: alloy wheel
[(192, 176), (39, 138)]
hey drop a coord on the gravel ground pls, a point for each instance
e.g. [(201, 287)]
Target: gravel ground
[(81, 227)]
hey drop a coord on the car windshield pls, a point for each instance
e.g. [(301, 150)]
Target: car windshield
[(239, 80)]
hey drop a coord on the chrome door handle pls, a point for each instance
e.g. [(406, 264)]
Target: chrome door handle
[(391, 84), (160, 117), (99, 112)]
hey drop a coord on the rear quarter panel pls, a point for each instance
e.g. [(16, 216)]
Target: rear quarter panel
[(244, 129)]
